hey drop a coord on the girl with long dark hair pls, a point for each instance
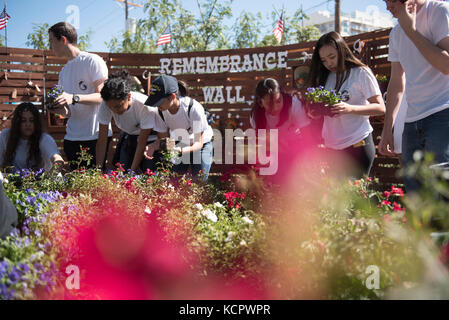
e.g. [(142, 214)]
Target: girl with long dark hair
[(347, 132), (24, 145)]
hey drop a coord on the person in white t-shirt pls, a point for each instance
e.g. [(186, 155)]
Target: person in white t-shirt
[(132, 117), (24, 145), (419, 55), (275, 109), (81, 80), (347, 133), (185, 120)]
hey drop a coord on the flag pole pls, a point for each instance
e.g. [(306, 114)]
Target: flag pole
[(6, 32)]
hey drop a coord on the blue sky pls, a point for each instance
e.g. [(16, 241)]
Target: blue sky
[(107, 19)]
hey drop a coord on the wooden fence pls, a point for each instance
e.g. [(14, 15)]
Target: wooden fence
[(224, 81)]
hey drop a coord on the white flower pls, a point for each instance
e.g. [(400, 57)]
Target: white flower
[(247, 220), (199, 206), (209, 214), (231, 234), (243, 243), (147, 210), (218, 205), (170, 186)]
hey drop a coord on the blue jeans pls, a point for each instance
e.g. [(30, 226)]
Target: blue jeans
[(430, 134), (205, 157)]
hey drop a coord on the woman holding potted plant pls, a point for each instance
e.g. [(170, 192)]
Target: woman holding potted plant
[(347, 132)]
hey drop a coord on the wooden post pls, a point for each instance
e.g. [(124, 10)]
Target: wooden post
[(337, 26)]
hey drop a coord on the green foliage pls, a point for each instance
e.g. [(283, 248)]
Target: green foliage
[(38, 39), (84, 40), (247, 30)]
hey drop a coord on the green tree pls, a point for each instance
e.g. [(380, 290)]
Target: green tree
[(189, 33), (1, 41), (247, 30), (38, 39), (294, 31), (84, 40)]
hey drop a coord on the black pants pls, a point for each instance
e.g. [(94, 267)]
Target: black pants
[(356, 161), (125, 151), (73, 148)]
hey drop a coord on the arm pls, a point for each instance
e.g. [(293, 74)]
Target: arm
[(436, 55), (141, 144), (196, 146), (94, 98), (101, 144), (394, 96), (56, 159), (375, 107), (152, 147)]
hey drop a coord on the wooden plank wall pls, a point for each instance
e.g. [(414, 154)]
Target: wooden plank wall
[(25, 69)]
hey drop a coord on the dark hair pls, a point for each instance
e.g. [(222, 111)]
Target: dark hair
[(346, 61), (64, 29), (34, 153), (117, 86), (182, 91), (269, 86)]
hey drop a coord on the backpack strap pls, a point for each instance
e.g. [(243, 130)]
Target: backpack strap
[(160, 114), (190, 107)]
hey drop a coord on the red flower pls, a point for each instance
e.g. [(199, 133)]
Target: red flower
[(397, 207), (386, 194), (149, 180), (150, 173), (397, 191), (189, 183), (386, 203)]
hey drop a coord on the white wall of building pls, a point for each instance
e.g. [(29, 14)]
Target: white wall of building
[(351, 24)]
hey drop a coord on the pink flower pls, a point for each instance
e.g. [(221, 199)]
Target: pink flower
[(397, 191), (397, 207), (386, 194), (386, 203), (189, 183)]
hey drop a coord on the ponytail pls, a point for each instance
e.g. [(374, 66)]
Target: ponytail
[(182, 91)]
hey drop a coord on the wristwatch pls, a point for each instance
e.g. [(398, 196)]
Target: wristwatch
[(75, 99)]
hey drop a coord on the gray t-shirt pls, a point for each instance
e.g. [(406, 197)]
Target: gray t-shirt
[(47, 147)]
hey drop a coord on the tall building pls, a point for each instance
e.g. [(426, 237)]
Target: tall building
[(351, 24)]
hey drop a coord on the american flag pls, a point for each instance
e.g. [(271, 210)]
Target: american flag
[(165, 37), (279, 30), (4, 19)]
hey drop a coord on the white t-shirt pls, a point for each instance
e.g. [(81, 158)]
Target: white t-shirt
[(196, 123), (399, 125), (47, 147), (427, 88), (297, 118), (137, 117), (348, 129), (78, 77)]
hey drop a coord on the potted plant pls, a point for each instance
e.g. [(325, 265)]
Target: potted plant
[(320, 100)]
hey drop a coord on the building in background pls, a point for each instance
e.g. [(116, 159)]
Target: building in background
[(351, 24)]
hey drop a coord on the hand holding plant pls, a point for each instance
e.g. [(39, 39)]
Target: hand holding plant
[(319, 99)]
